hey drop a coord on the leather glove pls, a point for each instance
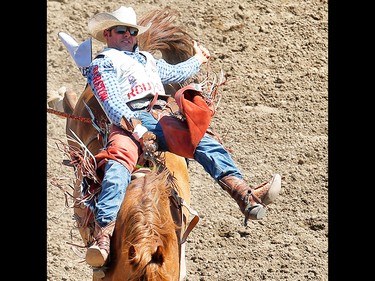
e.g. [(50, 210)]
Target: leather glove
[(140, 133), (148, 142)]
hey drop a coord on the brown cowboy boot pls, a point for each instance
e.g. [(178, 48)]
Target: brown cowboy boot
[(97, 254), (252, 202)]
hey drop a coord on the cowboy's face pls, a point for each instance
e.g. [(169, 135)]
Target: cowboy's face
[(121, 37)]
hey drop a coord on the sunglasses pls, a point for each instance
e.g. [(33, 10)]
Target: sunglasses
[(122, 30)]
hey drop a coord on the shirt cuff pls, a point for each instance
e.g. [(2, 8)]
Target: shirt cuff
[(139, 131)]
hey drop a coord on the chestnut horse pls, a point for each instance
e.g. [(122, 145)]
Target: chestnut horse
[(148, 240)]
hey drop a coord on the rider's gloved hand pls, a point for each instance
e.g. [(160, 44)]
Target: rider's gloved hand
[(200, 52), (148, 142), (146, 138)]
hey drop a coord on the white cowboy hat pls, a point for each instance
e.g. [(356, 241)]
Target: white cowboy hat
[(122, 16)]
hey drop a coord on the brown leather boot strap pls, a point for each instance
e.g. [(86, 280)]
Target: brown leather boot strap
[(104, 242)]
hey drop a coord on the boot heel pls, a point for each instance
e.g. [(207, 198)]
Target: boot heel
[(255, 212), (94, 256), (98, 273)]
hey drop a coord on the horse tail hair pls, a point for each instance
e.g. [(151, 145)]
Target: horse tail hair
[(174, 43)]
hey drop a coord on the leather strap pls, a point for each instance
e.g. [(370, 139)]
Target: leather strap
[(152, 102), (191, 224)]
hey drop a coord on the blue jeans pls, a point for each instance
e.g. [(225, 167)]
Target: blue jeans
[(209, 153), (116, 179), (215, 160)]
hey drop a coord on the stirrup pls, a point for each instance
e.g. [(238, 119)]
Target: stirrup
[(254, 212)]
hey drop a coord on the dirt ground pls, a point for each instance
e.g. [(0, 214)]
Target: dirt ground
[(273, 114)]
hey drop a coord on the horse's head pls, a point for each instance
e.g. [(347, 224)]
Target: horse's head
[(145, 232)]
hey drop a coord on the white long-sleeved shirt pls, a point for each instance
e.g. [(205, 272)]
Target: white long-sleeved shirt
[(107, 85)]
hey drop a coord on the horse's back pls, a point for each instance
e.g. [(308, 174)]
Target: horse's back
[(178, 166)]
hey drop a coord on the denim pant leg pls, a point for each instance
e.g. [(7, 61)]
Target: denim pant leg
[(115, 181), (209, 153), (215, 159)]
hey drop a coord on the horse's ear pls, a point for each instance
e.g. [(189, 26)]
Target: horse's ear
[(132, 253), (158, 256)]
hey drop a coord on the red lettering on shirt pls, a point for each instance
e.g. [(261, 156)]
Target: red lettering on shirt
[(139, 89), (100, 88), (146, 87)]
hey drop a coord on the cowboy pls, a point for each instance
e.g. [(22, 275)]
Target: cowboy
[(123, 79)]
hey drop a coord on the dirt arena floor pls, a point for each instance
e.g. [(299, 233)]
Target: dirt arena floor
[(273, 114)]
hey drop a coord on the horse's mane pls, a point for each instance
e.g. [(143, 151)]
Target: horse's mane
[(149, 226), (164, 36)]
